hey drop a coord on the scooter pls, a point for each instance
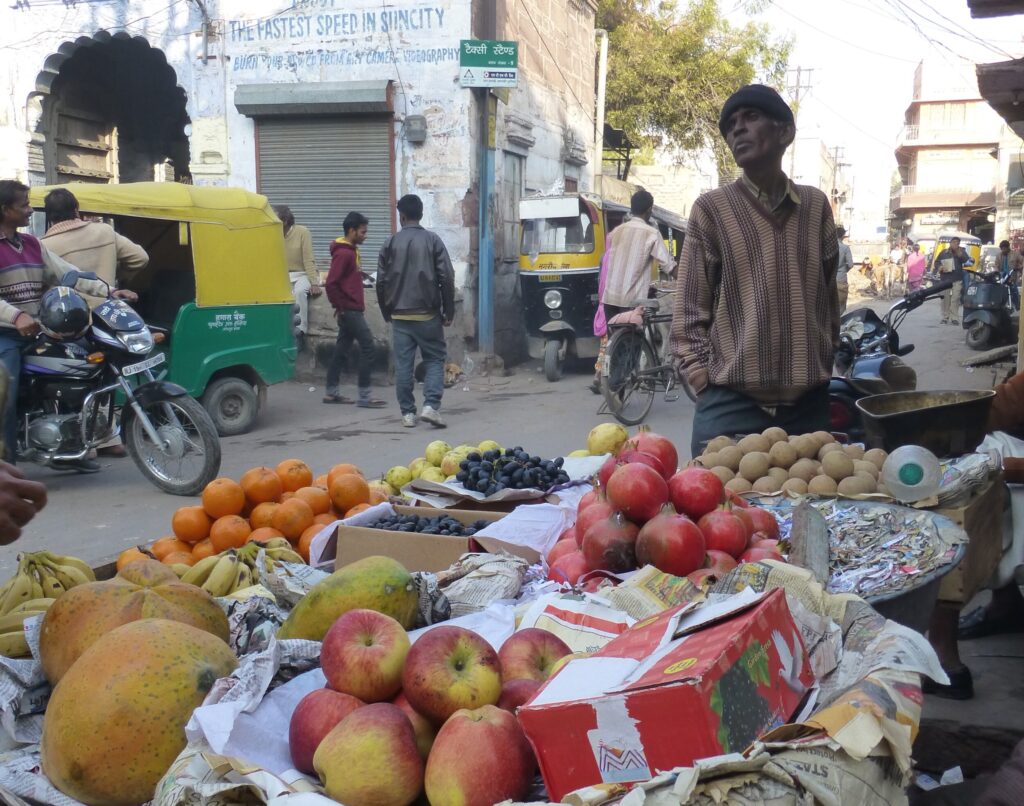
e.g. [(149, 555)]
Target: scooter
[(868, 360), (987, 310)]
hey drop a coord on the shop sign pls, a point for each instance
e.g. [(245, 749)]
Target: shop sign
[(488, 63)]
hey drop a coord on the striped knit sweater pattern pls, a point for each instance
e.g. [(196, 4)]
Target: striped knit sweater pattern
[(757, 309)]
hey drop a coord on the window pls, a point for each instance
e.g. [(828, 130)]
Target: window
[(573, 235)]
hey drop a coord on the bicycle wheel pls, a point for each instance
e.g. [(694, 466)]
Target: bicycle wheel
[(627, 389)]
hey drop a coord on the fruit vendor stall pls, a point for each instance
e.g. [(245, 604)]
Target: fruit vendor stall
[(488, 624)]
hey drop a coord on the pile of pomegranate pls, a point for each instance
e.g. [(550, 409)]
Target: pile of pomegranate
[(643, 512)]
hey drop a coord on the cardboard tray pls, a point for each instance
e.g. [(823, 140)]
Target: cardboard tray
[(982, 519)]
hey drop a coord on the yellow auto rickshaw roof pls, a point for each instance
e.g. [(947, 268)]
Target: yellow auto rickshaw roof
[(233, 208)]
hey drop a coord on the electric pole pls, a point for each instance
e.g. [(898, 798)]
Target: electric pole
[(796, 90)]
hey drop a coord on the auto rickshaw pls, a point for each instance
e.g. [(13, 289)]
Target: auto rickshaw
[(561, 246), (969, 242), (216, 286)]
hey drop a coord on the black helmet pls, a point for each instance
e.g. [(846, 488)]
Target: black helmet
[(64, 313)]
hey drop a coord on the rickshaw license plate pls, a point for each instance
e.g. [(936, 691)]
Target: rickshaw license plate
[(142, 366), (550, 278)]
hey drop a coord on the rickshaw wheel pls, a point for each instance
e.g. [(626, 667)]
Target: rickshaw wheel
[(232, 404), (552, 363)]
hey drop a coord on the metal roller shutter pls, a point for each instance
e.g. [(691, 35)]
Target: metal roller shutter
[(325, 167)]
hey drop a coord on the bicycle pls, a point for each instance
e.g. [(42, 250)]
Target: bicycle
[(635, 367)]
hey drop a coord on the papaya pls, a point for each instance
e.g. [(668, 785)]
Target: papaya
[(375, 583), (143, 589), (116, 721)]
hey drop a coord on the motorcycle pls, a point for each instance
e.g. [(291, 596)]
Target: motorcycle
[(73, 388), (987, 310), (868, 360)]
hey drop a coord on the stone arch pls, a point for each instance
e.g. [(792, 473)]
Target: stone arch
[(108, 108)]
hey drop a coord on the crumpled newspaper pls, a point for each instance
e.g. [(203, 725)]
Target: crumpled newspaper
[(477, 580)]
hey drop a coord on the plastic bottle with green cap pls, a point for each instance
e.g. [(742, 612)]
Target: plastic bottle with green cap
[(911, 473)]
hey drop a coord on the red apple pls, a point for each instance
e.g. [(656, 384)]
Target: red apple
[(560, 549), (422, 727), (313, 718), (671, 543), (569, 568), (764, 522), (363, 655), (695, 491), (480, 757), (371, 758), (720, 562), (724, 531), (638, 491), (517, 692), (529, 654), (753, 555), (449, 668)]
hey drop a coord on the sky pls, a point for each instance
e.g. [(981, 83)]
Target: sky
[(863, 54)]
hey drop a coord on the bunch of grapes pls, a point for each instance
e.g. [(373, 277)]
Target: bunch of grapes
[(440, 525), (515, 469)]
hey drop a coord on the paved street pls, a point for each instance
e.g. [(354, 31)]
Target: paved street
[(97, 516)]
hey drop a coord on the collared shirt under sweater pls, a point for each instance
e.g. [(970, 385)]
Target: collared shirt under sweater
[(757, 309)]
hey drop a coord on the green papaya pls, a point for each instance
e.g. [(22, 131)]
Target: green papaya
[(375, 583)]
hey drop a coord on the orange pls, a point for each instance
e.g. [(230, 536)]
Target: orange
[(341, 470), (318, 499), (223, 497), (292, 518), (202, 549), (347, 490), (356, 510), (184, 557), (167, 545), (132, 555), (190, 524), (286, 495), (262, 513), (263, 534), (321, 481), (307, 537), (325, 518), (294, 473), (261, 484), (229, 532)]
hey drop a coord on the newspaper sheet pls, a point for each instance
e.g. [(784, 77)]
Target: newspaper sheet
[(477, 580), (585, 622)]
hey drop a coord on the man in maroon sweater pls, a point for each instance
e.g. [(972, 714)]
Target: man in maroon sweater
[(344, 288)]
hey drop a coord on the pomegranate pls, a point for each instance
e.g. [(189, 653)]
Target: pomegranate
[(638, 491), (661, 448), (560, 549), (695, 491), (752, 555), (598, 511), (701, 574), (745, 519), (725, 532), (671, 543), (588, 499), (626, 457), (610, 545), (569, 534), (568, 568), (764, 522), (765, 543), (720, 562)]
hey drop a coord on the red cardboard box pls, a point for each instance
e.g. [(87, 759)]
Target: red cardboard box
[(683, 685)]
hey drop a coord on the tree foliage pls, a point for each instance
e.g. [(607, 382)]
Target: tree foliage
[(671, 65)]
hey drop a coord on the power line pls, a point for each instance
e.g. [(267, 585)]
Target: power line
[(554, 61), (844, 41), (968, 36)]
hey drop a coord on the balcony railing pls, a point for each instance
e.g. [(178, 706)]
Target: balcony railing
[(915, 135), (957, 196)]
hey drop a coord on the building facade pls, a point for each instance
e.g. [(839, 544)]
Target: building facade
[(324, 105)]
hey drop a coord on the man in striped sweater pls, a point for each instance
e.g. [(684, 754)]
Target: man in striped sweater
[(756, 316)]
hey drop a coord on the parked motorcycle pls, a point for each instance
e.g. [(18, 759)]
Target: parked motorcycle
[(987, 310), (83, 370), (868, 360)]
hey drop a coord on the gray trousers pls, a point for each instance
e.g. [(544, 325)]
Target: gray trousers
[(407, 337)]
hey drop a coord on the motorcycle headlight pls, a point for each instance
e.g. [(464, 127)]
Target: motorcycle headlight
[(139, 342), (553, 299)]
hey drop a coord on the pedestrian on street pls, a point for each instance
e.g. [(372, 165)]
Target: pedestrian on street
[(27, 270), (756, 318), (868, 270), (91, 246), (344, 287), (302, 273), (416, 293), (1010, 265), (845, 263), (915, 268), (951, 262)]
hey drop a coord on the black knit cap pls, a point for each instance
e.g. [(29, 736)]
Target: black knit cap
[(756, 96)]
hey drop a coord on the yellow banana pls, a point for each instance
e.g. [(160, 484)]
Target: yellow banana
[(14, 622), (68, 575), (180, 569), (14, 645), (37, 581), (51, 587), (21, 590), (223, 576), (68, 561), (200, 572), (243, 578), (278, 543), (6, 587), (34, 606), (285, 555)]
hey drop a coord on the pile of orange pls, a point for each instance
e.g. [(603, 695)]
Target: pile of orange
[(286, 501)]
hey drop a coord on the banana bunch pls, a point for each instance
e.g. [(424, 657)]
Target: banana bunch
[(234, 569), (41, 577)]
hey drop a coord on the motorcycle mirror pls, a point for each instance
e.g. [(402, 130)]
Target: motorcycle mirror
[(70, 278), (905, 349)]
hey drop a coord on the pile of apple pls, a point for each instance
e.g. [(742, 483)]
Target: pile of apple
[(644, 512), (397, 720)]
